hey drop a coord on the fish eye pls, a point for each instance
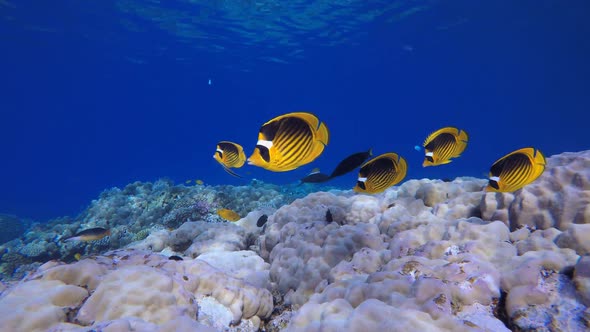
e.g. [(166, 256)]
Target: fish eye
[(264, 153), (494, 184)]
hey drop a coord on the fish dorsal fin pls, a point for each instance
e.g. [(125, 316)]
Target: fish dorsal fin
[(309, 118)]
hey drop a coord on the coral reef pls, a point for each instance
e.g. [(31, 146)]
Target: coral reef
[(134, 213), (428, 254), (12, 227)]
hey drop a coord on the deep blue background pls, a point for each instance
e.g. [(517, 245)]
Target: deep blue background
[(87, 104)]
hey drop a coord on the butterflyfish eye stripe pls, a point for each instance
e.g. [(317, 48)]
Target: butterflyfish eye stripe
[(264, 143)]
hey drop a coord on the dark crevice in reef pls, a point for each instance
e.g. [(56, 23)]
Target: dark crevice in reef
[(475, 212), (501, 313)]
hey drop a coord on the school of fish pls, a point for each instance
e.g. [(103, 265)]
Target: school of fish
[(292, 140)]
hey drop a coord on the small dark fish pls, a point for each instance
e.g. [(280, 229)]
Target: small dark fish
[(90, 234), (262, 220), (175, 258), (315, 177), (329, 218), (351, 162)]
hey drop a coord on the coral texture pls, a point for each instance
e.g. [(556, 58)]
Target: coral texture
[(428, 254)]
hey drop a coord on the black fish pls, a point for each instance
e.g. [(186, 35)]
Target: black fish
[(329, 218), (315, 177), (262, 220), (175, 258), (351, 162)]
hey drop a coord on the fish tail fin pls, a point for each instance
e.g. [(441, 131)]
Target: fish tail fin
[(538, 163), (323, 137), (403, 169), (323, 134), (463, 136), (539, 157)]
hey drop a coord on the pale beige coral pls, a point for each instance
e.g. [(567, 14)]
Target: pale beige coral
[(245, 265), (37, 305), (535, 241), (576, 237), (138, 291), (85, 273), (303, 261), (446, 238), (149, 287), (526, 269), (133, 324), (370, 315), (313, 208), (196, 237), (363, 263), (436, 255), (243, 299), (582, 278), (217, 237), (156, 241)]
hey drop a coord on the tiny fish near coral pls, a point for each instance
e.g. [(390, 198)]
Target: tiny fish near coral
[(228, 214), (329, 217), (262, 220)]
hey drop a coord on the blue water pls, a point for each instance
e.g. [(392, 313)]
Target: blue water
[(101, 93)]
